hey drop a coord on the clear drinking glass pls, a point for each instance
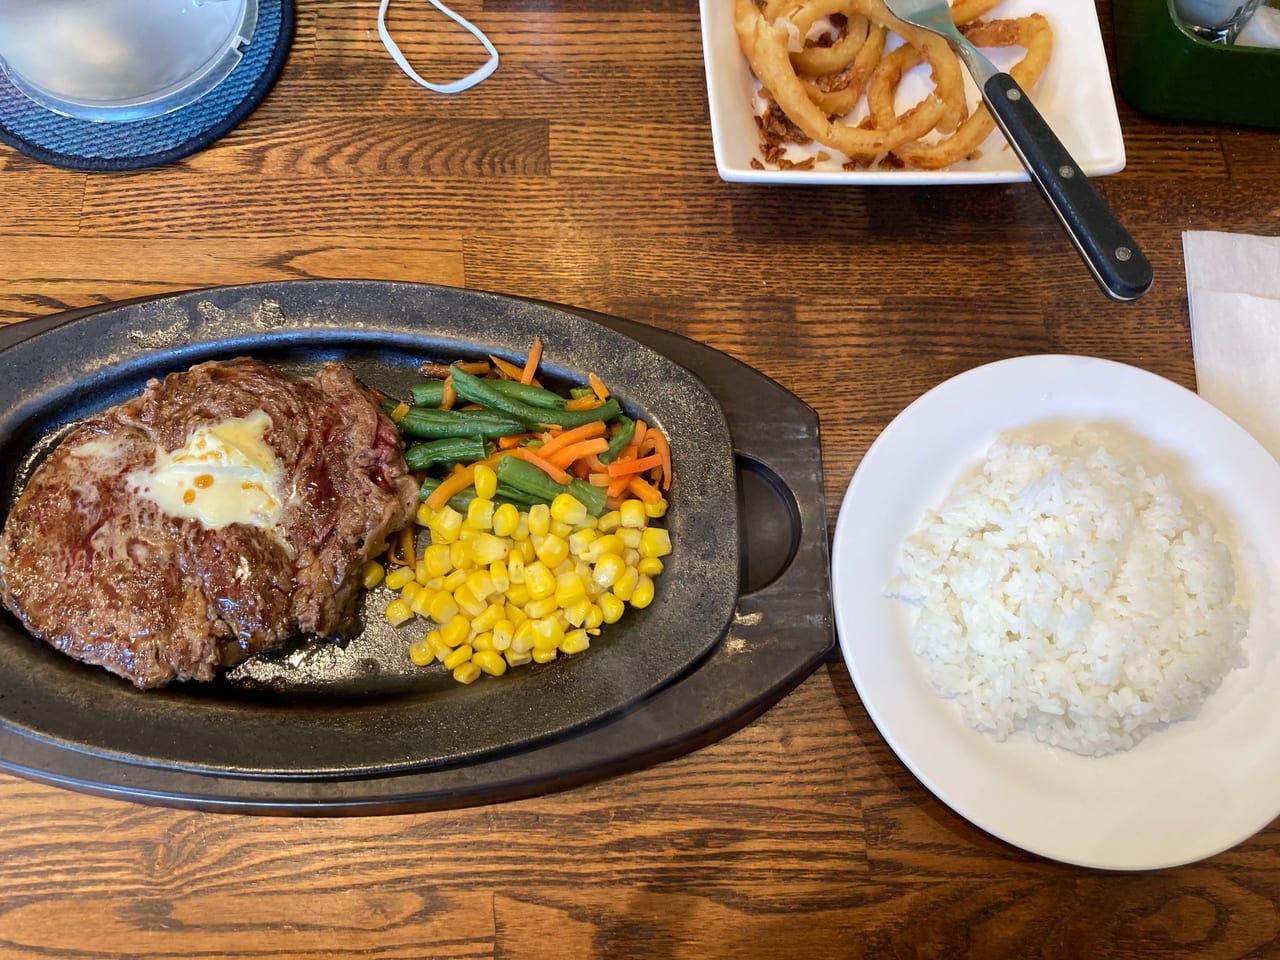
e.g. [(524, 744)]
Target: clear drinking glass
[(121, 59), (1216, 20)]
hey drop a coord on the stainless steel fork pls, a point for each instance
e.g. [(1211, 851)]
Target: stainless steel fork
[(1121, 269)]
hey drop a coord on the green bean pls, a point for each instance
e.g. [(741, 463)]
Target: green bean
[(428, 424), (429, 393), (423, 456), (476, 390), (621, 437), (534, 396), (525, 476)]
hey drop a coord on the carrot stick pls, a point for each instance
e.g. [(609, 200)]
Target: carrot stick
[(598, 386), (589, 402), (554, 472), (644, 490), (623, 468), (450, 395), (506, 367), (566, 455), (511, 440), (617, 486), (401, 552), (568, 437), (454, 483), (441, 370), (663, 450), (597, 479), (398, 413), (531, 364)]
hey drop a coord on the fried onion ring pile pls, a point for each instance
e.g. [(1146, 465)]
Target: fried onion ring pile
[(821, 63)]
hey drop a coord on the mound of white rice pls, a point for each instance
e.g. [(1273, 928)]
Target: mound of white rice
[(1071, 591)]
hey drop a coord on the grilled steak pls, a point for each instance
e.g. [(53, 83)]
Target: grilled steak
[(96, 561)]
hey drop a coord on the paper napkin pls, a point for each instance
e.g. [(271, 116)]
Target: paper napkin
[(1233, 290)]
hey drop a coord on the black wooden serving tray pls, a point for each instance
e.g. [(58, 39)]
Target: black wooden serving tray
[(754, 594)]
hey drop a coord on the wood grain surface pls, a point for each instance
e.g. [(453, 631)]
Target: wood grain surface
[(582, 172)]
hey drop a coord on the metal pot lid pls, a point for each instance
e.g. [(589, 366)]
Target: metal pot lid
[(120, 60)]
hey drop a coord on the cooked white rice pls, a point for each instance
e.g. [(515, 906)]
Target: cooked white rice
[(1071, 591)]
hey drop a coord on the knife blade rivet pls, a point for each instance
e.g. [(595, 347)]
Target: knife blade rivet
[(1123, 254), (1066, 171), (1013, 94)]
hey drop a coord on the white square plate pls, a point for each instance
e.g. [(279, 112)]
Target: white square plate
[(1074, 95)]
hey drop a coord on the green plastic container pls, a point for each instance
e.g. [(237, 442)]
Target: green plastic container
[(1166, 71)]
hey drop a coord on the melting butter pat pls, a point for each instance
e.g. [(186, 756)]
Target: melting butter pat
[(225, 473)]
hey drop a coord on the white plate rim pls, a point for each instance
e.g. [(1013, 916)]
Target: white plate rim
[(1177, 797), (1074, 94)]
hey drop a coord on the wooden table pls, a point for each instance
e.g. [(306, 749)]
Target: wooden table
[(582, 172)]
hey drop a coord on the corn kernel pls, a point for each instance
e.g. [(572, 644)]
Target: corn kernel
[(398, 612), (609, 543), (486, 549), (626, 584), (505, 518), (537, 609), (517, 658), (445, 524), (522, 639), (436, 558), (569, 588), (459, 557), (503, 631), (467, 600), (498, 574), (611, 608), (422, 516), (466, 672), (455, 630), (580, 540), (482, 641), (521, 532), (552, 550), (372, 574), (609, 522), (485, 481), (650, 566), (459, 655), (410, 590), (480, 514), (543, 656), (608, 569), (630, 537), (443, 607), (539, 580), (420, 652), (421, 602), (481, 583), (515, 614), (527, 551), (420, 571), (547, 633), (655, 511), (438, 647), (539, 519), (490, 661), (517, 595), (630, 556), (515, 567), (595, 617), (398, 577), (577, 612), (560, 528), (632, 514), (642, 595), (575, 641), (490, 616), (454, 580)]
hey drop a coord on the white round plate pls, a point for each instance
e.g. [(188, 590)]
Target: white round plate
[(1184, 793)]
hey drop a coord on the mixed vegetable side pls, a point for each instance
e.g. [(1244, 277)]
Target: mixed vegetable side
[(539, 508)]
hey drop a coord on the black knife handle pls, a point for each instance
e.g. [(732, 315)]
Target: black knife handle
[(1106, 246)]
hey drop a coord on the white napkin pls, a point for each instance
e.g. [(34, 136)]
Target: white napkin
[(1233, 289)]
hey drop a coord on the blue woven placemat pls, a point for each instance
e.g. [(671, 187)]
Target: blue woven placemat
[(92, 145)]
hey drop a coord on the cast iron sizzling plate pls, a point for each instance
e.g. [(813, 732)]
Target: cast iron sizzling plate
[(354, 727)]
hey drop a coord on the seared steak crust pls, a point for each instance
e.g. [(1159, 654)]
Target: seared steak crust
[(109, 578)]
